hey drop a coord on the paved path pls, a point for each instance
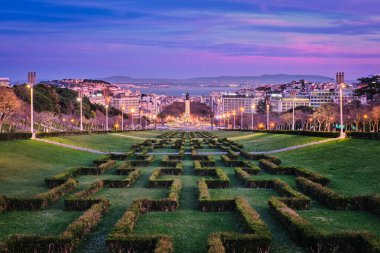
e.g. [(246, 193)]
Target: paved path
[(71, 146), (295, 147)]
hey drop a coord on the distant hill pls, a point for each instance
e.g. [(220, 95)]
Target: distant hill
[(271, 79)]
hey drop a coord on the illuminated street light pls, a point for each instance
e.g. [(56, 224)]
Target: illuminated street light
[(31, 82), (234, 113), (241, 117), (80, 100), (341, 87), (253, 107), (122, 117), (365, 116), (133, 123)]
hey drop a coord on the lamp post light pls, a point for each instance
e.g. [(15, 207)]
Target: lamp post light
[(80, 100), (267, 104), (293, 102), (155, 121), (234, 113), (365, 116), (224, 119), (341, 87), (241, 117), (107, 117), (228, 119), (253, 107), (122, 117), (31, 82), (133, 123)]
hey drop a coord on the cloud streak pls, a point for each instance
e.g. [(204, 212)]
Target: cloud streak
[(342, 33)]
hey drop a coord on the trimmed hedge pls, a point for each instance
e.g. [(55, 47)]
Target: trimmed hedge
[(291, 197), (364, 135), (62, 177), (295, 132), (121, 238), (222, 180), (65, 242), (319, 241), (127, 182), (39, 201), (82, 200), (272, 168), (14, 136), (336, 201), (259, 240)]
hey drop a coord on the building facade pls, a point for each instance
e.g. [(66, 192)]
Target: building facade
[(230, 103), (281, 103), (4, 82)]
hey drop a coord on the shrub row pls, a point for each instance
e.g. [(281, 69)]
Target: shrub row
[(364, 135), (39, 201), (15, 136), (319, 241), (121, 238), (65, 242), (336, 201), (62, 177), (258, 240), (135, 163), (127, 182), (250, 156), (291, 197), (295, 132), (82, 200), (272, 168), (221, 180), (237, 163)]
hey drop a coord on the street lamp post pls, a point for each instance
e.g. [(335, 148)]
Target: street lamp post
[(365, 116), (228, 119), (267, 107), (234, 113), (80, 100), (341, 109), (241, 117), (107, 117), (224, 119), (31, 82), (253, 107), (133, 123), (122, 117), (293, 121)]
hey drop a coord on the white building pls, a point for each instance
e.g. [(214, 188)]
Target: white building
[(282, 103), (233, 102), (317, 98), (4, 81), (129, 102)]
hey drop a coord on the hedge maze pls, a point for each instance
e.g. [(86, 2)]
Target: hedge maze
[(162, 196)]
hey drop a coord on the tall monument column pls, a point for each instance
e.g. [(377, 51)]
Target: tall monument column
[(187, 118)]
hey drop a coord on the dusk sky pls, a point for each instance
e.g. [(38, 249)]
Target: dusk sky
[(188, 38)]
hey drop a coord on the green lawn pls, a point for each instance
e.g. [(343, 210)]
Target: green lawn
[(268, 142), (352, 166), (25, 164), (102, 142)]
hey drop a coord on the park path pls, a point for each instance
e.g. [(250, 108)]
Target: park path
[(188, 153), (295, 147), (71, 146)]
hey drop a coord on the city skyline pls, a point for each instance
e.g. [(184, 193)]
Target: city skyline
[(188, 38)]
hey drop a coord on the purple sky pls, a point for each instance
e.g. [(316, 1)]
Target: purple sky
[(188, 38)]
